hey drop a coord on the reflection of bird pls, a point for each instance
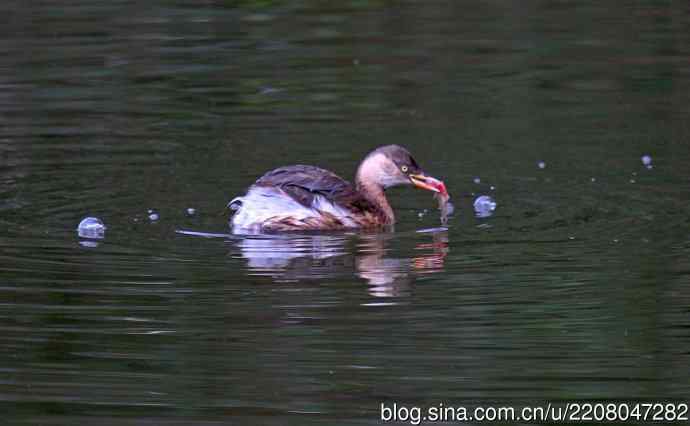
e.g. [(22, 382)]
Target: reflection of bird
[(300, 257), (310, 198)]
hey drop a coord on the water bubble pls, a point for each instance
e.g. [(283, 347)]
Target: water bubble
[(191, 211), (646, 160), (492, 187), (267, 90), (541, 164), (89, 243), (477, 180), (632, 181), (91, 227), (594, 179), (649, 167), (153, 216), (484, 206)]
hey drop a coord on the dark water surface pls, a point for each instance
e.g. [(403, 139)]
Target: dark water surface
[(578, 287)]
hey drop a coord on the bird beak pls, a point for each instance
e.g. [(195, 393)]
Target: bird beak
[(429, 183)]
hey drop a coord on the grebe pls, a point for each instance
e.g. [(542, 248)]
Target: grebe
[(300, 197)]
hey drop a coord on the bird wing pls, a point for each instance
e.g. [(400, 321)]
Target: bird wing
[(303, 183)]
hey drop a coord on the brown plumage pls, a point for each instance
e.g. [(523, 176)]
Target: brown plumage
[(303, 197), (304, 183)]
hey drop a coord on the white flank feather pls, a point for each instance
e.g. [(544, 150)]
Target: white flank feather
[(263, 203)]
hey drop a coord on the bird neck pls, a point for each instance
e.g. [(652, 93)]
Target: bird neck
[(375, 194)]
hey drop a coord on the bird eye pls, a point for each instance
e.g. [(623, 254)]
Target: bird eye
[(404, 169)]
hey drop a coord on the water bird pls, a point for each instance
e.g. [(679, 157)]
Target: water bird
[(304, 198)]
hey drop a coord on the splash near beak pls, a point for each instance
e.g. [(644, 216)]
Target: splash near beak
[(429, 183)]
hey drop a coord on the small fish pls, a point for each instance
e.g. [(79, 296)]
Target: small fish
[(444, 204), (441, 195)]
